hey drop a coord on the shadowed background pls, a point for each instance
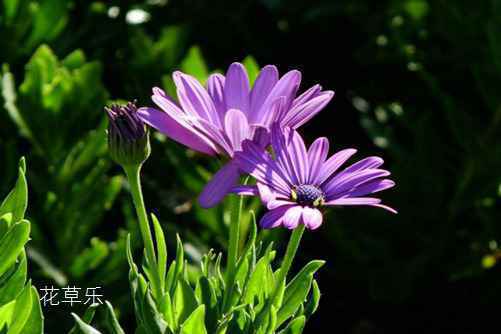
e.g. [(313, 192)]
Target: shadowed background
[(417, 82)]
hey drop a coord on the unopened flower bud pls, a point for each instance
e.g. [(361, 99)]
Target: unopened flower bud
[(128, 140)]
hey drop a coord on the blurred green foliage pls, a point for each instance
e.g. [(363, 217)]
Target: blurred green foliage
[(416, 82)]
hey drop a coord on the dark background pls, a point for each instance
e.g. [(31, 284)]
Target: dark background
[(417, 82)]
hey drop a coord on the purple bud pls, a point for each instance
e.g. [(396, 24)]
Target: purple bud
[(128, 140)]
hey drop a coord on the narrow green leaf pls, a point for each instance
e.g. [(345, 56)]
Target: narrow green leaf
[(12, 244), (296, 326), (185, 301), (34, 324), (82, 326), (87, 318), (153, 319), (297, 290), (161, 251), (16, 201), (314, 300), (14, 284), (178, 267), (22, 311), (167, 310), (195, 324), (206, 295), (5, 222), (112, 321), (6, 313)]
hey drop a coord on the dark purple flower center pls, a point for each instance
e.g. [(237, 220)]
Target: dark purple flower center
[(308, 194)]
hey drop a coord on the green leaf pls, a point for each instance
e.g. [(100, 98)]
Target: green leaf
[(167, 311), (5, 222), (86, 318), (85, 328), (112, 321), (10, 7), (206, 295), (22, 310), (297, 290), (153, 319), (161, 251), (34, 324), (296, 326), (12, 244), (252, 68), (259, 282), (14, 284), (16, 201), (314, 300), (6, 312), (185, 301), (194, 64), (195, 324), (173, 277)]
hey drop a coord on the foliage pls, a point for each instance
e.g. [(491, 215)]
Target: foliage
[(20, 309), (214, 301)]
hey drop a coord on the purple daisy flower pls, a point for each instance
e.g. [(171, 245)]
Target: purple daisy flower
[(297, 182), (218, 119)]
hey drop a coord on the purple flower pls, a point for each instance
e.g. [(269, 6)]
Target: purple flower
[(218, 119), (297, 182)]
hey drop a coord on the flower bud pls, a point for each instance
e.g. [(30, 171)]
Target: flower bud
[(128, 140)]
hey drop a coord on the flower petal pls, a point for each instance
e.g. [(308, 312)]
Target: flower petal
[(333, 163), (273, 218), (317, 153), (312, 218), (275, 203), (354, 201), (292, 217), (177, 130), (217, 135), (265, 193), (220, 185), (244, 190), (280, 141), (215, 88), (342, 184), (369, 162), (258, 163), (286, 87), (302, 113), (265, 81), (307, 95), (372, 187), (236, 88), (299, 157), (236, 128), (386, 207), (194, 98)]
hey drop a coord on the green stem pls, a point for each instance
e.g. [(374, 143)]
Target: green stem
[(289, 256), (134, 177), (234, 242)]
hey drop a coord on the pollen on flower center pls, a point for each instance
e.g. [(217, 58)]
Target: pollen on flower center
[(308, 194)]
